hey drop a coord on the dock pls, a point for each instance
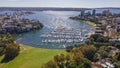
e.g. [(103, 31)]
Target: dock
[(64, 35)]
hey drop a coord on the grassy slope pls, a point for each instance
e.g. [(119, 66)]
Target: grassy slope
[(87, 22), (90, 23), (31, 57)]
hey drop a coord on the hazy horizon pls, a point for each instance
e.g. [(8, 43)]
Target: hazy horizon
[(55, 7), (61, 3)]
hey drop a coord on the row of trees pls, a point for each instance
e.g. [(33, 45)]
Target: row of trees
[(8, 48), (77, 57), (104, 47), (98, 40)]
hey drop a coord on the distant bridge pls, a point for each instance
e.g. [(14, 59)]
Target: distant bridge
[(41, 9)]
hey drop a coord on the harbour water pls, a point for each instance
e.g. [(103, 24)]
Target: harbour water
[(72, 32)]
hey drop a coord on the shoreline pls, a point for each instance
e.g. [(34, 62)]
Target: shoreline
[(84, 21), (89, 23), (43, 48)]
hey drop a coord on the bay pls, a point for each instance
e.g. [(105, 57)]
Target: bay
[(52, 20)]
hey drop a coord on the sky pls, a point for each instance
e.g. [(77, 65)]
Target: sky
[(60, 3)]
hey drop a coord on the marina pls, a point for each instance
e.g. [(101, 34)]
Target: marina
[(62, 34), (58, 32)]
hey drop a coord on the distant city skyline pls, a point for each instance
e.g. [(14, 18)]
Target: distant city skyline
[(60, 3)]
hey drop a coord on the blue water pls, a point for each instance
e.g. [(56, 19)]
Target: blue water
[(51, 20)]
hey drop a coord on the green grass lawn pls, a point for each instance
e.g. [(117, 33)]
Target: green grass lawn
[(90, 23), (87, 22), (31, 57)]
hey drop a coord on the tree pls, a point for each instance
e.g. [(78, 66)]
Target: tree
[(95, 37), (117, 64), (90, 41), (1, 50), (78, 57), (99, 38), (68, 58), (117, 44), (74, 65), (11, 51), (118, 56), (6, 39), (56, 58), (50, 64), (96, 57), (88, 51), (81, 62), (60, 60), (8, 47), (103, 51), (69, 48), (87, 63)]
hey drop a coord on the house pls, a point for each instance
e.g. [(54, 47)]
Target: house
[(117, 23), (103, 63), (104, 22), (113, 51), (111, 33), (28, 27), (99, 31)]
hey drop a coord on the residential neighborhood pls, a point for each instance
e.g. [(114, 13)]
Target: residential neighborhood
[(15, 23), (59, 33), (108, 25)]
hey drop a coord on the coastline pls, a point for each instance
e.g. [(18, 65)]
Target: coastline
[(89, 23), (84, 21)]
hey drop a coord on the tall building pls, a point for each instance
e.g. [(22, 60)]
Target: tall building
[(106, 13), (93, 12), (117, 23), (82, 13)]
